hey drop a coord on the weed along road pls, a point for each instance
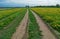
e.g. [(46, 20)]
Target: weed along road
[(47, 34), (20, 31)]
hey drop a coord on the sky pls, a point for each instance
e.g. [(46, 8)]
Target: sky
[(8, 3)]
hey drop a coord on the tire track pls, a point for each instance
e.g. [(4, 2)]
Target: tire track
[(20, 31), (47, 34)]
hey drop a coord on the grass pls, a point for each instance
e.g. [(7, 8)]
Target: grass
[(50, 16), (33, 28), (5, 21), (7, 32), (6, 13)]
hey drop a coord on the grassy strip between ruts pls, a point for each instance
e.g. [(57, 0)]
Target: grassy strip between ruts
[(33, 28), (7, 33)]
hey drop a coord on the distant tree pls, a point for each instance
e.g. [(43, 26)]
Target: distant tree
[(57, 5), (27, 6)]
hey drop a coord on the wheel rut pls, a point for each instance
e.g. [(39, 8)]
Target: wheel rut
[(20, 31), (47, 34)]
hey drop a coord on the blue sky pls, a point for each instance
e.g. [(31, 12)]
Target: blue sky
[(4, 3)]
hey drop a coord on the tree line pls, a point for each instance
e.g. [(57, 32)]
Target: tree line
[(57, 5)]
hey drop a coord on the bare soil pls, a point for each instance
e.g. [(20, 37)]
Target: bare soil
[(21, 30), (47, 34)]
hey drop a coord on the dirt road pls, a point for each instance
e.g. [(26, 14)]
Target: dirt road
[(20, 31), (47, 34)]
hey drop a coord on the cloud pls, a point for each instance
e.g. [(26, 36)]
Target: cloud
[(16, 1), (43, 2), (29, 2)]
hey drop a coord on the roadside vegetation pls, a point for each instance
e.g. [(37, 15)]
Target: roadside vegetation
[(33, 28)]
